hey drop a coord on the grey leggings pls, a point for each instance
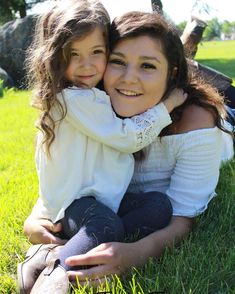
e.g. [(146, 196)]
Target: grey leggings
[(88, 223)]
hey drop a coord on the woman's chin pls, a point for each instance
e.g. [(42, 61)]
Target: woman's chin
[(124, 114), (127, 114)]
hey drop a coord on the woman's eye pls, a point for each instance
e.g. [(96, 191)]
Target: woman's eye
[(148, 66), (117, 61)]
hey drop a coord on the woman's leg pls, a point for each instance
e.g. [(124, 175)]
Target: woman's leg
[(144, 213), (88, 223), (229, 94)]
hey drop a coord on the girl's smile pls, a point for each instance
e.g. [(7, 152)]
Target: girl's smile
[(87, 60)]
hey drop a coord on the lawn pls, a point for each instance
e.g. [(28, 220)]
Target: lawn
[(219, 55), (204, 263)]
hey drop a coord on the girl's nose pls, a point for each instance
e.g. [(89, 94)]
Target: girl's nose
[(85, 62)]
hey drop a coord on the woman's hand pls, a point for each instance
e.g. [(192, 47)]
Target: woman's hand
[(108, 258), (116, 258), (40, 230)]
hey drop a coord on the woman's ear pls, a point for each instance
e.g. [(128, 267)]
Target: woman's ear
[(174, 72)]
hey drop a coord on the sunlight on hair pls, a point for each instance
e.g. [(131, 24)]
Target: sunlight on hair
[(119, 7)]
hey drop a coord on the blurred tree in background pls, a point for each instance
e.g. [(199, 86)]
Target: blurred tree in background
[(11, 9), (214, 29)]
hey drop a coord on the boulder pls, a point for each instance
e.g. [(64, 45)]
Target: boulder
[(7, 80), (15, 37)]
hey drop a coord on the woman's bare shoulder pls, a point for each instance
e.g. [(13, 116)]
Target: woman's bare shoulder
[(193, 118)]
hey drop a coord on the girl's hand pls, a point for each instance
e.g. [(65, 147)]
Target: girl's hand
[(175, 99), (40, 230), (108, 259)]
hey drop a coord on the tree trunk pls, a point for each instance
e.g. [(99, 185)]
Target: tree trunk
[(22, 10)]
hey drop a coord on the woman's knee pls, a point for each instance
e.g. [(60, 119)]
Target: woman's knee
[(160, 207), (146, 212)]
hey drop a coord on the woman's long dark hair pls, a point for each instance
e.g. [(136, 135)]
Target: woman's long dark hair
[(135, 24)]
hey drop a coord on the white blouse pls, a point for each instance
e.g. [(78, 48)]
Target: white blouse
[(91, 153), (185, 167)]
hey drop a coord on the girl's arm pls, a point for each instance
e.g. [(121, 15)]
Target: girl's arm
[(116, 258), (39, 229), (90, 111)]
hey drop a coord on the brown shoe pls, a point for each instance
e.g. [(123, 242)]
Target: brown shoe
[(37, 258), (52, 280)]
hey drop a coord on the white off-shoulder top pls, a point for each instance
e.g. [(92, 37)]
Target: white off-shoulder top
[(185, 167)]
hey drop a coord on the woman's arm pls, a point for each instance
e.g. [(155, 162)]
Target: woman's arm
[(115, 258)]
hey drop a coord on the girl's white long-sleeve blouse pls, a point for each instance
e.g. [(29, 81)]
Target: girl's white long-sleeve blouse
[(91, 153), (185, 167)]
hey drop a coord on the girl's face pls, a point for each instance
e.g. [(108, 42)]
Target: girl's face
[(136, 75), (88, 60)]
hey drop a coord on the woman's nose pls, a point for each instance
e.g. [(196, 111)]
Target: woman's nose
[(130, 75)]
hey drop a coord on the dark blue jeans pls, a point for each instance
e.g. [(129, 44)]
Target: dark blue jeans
[(88, 223)]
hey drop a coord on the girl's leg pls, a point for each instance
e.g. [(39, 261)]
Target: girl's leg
[(88, 223), (145, 213)]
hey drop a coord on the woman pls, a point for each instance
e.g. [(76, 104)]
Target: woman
[(146, 53)]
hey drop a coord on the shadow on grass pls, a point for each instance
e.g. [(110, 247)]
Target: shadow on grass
[(225, 66)]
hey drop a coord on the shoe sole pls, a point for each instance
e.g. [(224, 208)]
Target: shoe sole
[(20, 279)]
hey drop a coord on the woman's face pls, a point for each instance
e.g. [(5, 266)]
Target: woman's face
[(136, 75)]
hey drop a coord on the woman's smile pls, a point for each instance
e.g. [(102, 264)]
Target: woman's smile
[(136, 75), (128, 93)]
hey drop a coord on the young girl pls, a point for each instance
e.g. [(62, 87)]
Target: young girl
[(83, 149)]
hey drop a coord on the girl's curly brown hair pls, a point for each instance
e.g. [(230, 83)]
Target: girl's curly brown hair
[(49, 55)]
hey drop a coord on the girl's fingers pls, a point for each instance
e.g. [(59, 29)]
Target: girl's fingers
[(47, 224), (49, 238), (58, 240), (185, 95), (57, 228)]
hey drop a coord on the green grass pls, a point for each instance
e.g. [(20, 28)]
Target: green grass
[(219, 55), (18, 182), (203, 263)]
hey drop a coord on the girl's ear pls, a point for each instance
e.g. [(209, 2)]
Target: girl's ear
[(174, 72)]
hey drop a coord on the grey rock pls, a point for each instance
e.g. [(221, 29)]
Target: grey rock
[(15, 37), (7, 80)]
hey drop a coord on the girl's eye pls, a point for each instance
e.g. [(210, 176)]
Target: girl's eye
[(148, 66), (73, 53), (98, 51), (117, 61)]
